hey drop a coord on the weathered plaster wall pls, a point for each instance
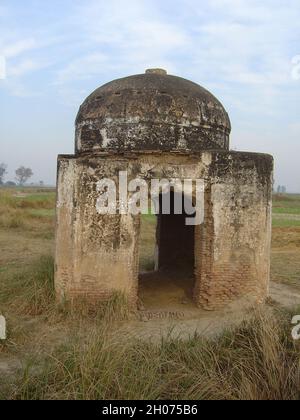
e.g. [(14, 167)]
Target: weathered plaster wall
[(236, 238), (97, 255)]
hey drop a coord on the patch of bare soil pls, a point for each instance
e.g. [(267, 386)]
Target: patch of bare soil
[(167, 308), (165, 289), (287, 296)]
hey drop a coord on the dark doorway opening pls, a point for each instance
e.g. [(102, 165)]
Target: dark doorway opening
[(169, 283), (175, 239)]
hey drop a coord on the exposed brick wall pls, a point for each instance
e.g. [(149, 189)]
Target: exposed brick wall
[(234, 242), (204, 243)]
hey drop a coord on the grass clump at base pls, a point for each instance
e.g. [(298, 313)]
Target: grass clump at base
[(30, 292), (116, 308), (257, 361)]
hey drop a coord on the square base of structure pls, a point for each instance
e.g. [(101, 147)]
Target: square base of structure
[(97, 255)]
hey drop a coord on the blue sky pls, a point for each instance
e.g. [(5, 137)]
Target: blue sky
[(247, 52)]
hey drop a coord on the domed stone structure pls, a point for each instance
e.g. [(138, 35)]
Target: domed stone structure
[(160, 127), (152, 111)]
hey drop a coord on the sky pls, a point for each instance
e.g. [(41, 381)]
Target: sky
[(55, 53)]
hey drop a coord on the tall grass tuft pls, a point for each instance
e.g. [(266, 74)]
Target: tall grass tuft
[(116, 308), (258, 361), (30, 292)]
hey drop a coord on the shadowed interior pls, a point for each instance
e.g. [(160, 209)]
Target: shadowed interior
[(173, 281), (175, 239)]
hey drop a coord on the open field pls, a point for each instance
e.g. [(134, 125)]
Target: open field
[(286, 210), (286, 239), (53, 353)]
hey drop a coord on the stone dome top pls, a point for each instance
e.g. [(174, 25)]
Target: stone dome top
[(152, 111)]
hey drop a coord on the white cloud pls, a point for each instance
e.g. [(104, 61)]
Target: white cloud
[(19, 47), (18, 89), (22, 58), (82, 68), (2, 67), (24, 67), (242, 50), (133, 34), (119, 40), (3, 11)]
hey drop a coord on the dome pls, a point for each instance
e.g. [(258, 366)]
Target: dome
[(152, 111)]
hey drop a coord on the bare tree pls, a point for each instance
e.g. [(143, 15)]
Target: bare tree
[(23, 174), (3, 171)]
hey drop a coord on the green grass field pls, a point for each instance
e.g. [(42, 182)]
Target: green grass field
[(286, 210), (54, 353)]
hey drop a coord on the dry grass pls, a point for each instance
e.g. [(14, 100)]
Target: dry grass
[(286, 239), (114, 309), (258, 361), (19, 210), (30, 292), (67, 355), (285, 267)]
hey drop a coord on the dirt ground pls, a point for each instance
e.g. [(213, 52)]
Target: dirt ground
[(167, 308)]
